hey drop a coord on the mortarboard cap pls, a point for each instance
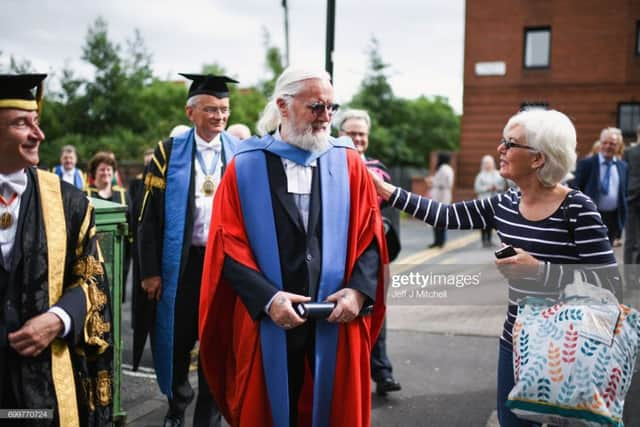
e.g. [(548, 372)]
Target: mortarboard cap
[(16, 91), (208, 84)]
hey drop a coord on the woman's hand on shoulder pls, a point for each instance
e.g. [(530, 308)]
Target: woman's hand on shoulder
[(384, 189)]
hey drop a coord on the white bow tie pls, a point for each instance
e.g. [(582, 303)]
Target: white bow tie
[(13, 183), (212, 146)]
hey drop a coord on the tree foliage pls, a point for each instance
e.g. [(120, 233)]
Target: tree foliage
[(403, 131)]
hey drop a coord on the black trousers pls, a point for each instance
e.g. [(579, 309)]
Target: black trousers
[(486, 235), (610, 219), (300, 349), (185, 337), (380, 364), (439, 236)]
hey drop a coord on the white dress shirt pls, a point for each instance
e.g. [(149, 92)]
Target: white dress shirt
[(609, 202), (69, 176), (299, 179), (10, 184), (204, 204)]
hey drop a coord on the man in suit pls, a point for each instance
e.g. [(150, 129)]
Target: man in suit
[(55, 327), (603, 177), (181, 181), (67, 170), (356, 125), (296, 220), (632, 227)]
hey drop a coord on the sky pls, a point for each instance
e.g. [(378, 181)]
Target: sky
[(421, 40)]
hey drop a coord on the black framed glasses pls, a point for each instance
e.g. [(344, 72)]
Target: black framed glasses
[(509, 144), (320, 107)]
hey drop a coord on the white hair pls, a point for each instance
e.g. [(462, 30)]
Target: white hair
[(552, 134), (486, 159), (193, 101), (68, 149), (355, 114), (289, 84), (611, 131)]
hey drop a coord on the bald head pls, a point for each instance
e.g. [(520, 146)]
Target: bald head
[(240, 131)]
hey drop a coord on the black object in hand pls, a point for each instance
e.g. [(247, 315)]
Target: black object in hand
[(505, 252), (322, 310), (314, 310)]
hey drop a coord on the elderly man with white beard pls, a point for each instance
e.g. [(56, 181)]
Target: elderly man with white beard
[(296, 220)]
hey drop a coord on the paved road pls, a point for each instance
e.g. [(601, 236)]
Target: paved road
[(444, 349)]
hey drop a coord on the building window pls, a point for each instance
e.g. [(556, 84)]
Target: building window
[(537, 47), (638, 38), (534, 105), (629, 117)]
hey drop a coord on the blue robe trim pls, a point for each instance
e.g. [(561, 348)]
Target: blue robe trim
[(257, 210), (288, 151), (176, 200), (77, 177), (334, 180)]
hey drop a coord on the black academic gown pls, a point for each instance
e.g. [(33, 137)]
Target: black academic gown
[(24, 291), (136, 195), (150, 237)]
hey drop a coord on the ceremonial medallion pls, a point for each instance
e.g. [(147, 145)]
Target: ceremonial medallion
[(6, 219), (208, 187)]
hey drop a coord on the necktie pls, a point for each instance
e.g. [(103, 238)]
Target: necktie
[(606, 177)]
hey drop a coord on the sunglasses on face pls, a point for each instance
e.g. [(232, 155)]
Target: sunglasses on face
[(509, 144), (320, 107)]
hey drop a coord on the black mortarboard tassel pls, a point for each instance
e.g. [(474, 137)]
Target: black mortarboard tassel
[(208, 84), (16, 91)]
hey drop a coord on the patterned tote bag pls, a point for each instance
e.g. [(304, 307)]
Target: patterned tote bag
[(574, 359)]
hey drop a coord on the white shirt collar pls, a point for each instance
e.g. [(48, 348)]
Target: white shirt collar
[(17, 181), (601, 159), (203, 145)]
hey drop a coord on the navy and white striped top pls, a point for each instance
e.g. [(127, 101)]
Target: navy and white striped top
[(550, 240)]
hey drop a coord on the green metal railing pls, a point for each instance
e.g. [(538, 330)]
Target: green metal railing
[(112, 232)]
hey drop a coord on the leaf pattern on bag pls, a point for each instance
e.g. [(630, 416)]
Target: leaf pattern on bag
[(559, 367), (555, 364)]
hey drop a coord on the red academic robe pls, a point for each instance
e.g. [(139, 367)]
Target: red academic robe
[(230, 348)]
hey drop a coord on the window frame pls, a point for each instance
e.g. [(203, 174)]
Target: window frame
[(638, 38), (539, 29), (632, 132), (532, 105)]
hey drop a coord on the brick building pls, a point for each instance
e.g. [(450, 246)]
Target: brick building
[(581, 57)]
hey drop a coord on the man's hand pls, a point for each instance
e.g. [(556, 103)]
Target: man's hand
[(349, 302), (36, 334), (281, 310), (153, 287), (521, 265)]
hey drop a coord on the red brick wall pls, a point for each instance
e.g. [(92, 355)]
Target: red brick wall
[(593, 67)]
